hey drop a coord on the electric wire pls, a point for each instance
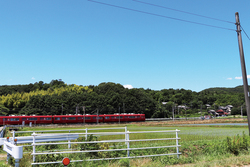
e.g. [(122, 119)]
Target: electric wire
[(184, 12), (245, 32), (173, 18)]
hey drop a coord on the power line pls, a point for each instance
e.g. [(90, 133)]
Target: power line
[(245, 32), (184, 12), (173, 18)]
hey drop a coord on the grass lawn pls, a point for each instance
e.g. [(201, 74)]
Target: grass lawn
[(200, 145)]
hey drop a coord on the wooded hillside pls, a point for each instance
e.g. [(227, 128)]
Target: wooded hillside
[(56, 98)]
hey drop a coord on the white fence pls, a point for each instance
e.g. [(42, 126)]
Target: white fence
[(38, 138), (2, 131), (15, 151)]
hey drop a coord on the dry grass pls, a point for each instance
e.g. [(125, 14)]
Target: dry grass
[(3, 156), (179, 122), (234, 161), (136, 163), (158, 123)]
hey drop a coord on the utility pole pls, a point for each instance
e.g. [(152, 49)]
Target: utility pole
[(123, 107), (119, 115), (173, 111), (243, 68), (201, 110), (97, 118), (185, 112), (62, 108), (83, 108), (77, 109), (241, 111)]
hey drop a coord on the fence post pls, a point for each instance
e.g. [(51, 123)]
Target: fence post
[(17, 162), (126, 135), (13, 136), (34, 147), (69, 145), (8, 155), (177, 143), (127, 144), (86, 136)]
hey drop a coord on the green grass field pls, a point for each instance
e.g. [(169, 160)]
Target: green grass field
[(200, 146)]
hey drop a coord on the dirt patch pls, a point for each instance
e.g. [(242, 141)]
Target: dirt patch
[(3, 156)]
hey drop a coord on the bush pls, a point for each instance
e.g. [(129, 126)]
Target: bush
[(238, 144)]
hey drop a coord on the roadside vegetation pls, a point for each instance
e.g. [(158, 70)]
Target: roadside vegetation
[(200, 146)]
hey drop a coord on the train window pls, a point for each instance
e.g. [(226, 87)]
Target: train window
[(23, 119), (57, 118), (94, 117), (87, 117), (5, 119), (32, 119), (112, 117), (106, 117), (99, 117), (42, 118), (126, 117), (14, 119), (63, 118), (71, 118), (79, 118), (131, 116)]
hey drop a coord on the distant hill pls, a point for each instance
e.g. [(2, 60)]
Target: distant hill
[(237, 89)]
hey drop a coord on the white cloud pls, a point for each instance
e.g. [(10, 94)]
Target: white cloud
[(128, 86), (33, 78), (248, 76), (238, 77), (229, 78)]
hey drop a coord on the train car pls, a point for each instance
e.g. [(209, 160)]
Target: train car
[(113, 118), (10, 120), (36, 119), (135, 117), (142, 117), (61, 119), (94, 117), (19, 120), (123, 117)]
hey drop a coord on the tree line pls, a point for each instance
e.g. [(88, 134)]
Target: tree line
[(57, 97)]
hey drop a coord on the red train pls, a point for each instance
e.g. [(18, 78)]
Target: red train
[(64, 119)]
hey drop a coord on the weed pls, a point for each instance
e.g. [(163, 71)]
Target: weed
[(237, 144)]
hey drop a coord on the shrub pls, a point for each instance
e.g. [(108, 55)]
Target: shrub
[(238, 144)]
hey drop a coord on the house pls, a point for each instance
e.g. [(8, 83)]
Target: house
[(221, 112)]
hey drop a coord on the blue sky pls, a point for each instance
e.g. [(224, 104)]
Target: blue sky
[(87, 43)]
